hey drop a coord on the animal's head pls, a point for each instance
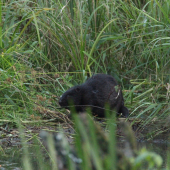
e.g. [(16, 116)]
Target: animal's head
[(71, 97)]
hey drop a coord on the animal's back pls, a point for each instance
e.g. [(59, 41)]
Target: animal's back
[(104, 90)]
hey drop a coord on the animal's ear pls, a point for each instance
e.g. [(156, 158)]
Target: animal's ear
[(77, 89)]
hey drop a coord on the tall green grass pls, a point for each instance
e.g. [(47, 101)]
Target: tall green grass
[(48, 46), (94, 36)]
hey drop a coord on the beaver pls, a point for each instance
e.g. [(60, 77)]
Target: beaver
[(95, 93)]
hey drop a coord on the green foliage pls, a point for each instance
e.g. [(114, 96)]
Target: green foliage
[(48, 46), (149, 159), (93, 149), (93, 36)]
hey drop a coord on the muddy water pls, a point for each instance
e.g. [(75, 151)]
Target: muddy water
[(10, 157)]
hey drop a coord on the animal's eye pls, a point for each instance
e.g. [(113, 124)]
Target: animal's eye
[(95, 91)]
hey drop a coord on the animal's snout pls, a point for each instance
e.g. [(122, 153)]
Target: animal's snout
[(60, 101)]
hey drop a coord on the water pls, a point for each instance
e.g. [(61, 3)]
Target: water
[(10, 157)]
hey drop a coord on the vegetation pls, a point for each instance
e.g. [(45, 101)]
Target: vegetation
[(93, 149), (48, 46)]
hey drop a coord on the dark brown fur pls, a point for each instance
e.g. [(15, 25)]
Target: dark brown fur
[(97, 91)]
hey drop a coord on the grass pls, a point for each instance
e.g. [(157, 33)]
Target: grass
[(47, 47)]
